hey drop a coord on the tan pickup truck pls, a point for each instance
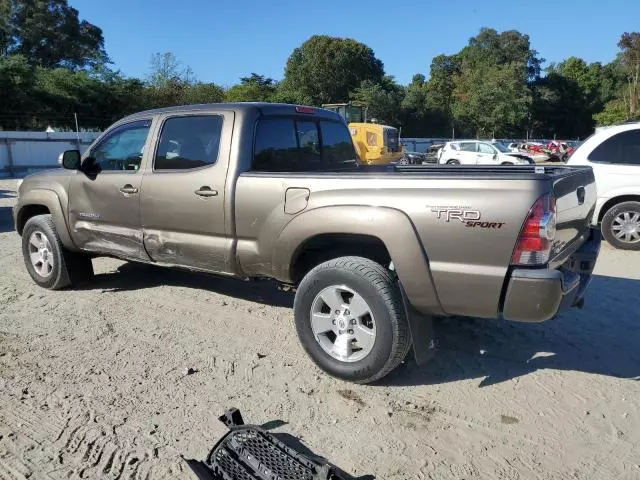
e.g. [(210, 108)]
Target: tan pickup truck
[(276, 191)]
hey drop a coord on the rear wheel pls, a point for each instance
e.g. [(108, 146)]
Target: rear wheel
[(350, 319), (48, 262), (453, 162), (621, 226)]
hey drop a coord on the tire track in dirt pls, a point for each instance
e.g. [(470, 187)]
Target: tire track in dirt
[(78, 447)]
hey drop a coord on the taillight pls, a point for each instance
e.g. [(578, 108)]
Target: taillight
[(537, 234), (302, 109)]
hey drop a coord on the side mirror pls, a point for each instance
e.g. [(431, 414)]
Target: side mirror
[(495, 156), (70, 159)]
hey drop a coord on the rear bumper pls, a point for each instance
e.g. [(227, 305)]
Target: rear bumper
[(538, 295)]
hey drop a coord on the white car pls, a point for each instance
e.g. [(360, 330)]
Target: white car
[(475, 152), (614, 155)]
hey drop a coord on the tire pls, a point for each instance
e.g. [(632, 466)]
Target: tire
[(62, 267), (618, 217), (404, 161), (453, 162), (506, 163), (373, 284)]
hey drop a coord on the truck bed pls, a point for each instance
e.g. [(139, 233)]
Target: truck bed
[(474, 260)]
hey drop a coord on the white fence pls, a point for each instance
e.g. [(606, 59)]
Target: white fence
[(23, 152)]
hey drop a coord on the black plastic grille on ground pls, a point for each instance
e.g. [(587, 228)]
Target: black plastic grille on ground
[(230, 468), (247, 454)]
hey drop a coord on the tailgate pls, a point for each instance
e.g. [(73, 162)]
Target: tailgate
[(575, 193)]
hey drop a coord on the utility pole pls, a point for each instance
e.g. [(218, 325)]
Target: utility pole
[(75, 116)]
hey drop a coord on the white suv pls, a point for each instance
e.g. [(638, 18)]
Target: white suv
[(474, 152), (614, 155)]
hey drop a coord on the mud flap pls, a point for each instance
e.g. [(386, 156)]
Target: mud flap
[(421, 328), (248, 452)]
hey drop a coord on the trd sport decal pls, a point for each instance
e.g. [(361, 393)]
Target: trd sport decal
[(466, 215)]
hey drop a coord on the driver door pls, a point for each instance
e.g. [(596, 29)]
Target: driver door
[(104, 201)]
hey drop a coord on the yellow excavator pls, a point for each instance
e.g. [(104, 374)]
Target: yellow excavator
[(376, 144)]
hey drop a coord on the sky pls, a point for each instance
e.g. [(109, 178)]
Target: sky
[(224, 40)]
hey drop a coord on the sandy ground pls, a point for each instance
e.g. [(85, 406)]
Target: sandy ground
[(93, 382)]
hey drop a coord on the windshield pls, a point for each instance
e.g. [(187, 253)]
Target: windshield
[(501, 147)]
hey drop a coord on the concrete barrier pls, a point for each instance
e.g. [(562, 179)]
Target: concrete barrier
[(24, 152)]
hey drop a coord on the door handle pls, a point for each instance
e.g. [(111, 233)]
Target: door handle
[(206, 192), (129, 189)]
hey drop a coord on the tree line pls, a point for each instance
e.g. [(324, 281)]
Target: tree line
[(53, 64)]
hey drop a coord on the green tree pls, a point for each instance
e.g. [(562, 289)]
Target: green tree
[(491, 94), (255, 88), (326, 69), (440, 85), (491, 100), (16, 87), (49, 33), (383, 100), (559, 108), (630, 60), (202, 93), (439, 90), (615, 111), (172, 83), (418, 118), (165, 68), (5, 26)]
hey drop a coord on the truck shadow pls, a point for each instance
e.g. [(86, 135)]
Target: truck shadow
[(139, 276), (602, 338), (6, 220), (7, 193)]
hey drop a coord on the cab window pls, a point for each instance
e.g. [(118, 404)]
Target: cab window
[(122, 149), (188, 142)]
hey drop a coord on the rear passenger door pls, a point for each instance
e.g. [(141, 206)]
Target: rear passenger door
[(183, 192), (467, 154)]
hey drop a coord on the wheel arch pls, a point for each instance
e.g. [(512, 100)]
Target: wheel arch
[(612, 202), (38, 202), (388, 232)]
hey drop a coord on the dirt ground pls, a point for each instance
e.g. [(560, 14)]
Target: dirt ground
[(94, 382)]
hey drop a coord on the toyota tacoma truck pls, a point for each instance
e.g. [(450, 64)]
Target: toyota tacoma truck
[(276, 191)]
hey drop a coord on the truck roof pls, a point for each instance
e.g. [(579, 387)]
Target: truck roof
[(264, 108)]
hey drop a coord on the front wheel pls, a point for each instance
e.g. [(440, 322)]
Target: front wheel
[(48, 262), (453, 162), (350, 319), (621, 226)]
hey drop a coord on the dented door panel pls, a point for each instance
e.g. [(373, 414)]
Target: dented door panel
[(104, 207), (102, 218), (183, 210)]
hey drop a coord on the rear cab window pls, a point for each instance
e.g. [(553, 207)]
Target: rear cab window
[(302, 144)]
